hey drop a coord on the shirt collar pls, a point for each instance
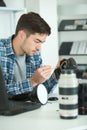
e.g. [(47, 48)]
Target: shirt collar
[(9, 48)]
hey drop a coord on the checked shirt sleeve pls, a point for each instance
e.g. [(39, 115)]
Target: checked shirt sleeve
[(51, 83), (20, 87)]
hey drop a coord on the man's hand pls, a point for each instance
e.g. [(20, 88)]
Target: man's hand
[(57, 70), (59, 61), (41, 75)]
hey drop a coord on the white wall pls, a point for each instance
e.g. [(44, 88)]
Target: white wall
[(50, 48), (32, 5), (71, 1), (14, 3)]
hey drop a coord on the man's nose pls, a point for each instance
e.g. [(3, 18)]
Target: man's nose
[(38, 47)]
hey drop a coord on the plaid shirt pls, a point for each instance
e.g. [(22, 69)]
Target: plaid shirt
[(32, 63)]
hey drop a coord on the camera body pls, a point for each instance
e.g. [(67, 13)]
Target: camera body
[(68, 64)]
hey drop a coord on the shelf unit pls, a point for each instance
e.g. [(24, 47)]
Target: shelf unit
[(8, 20), (12, 9), (72, 27)]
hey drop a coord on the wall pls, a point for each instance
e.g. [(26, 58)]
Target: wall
[(14, 3)]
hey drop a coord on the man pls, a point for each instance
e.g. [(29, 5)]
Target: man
[(20, 56)]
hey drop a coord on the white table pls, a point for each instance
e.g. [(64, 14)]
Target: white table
[(44, 118)]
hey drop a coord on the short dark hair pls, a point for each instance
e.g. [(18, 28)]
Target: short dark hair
[(33, 23)]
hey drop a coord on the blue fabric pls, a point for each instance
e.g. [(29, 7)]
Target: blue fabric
[(32, 63)]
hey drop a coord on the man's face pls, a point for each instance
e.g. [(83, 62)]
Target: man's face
[(33, 43)]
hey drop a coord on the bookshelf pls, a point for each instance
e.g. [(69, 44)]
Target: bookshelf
[(72, 30), (78, 48), (73, 25)]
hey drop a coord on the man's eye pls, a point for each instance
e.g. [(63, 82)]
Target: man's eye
[(37, 42)]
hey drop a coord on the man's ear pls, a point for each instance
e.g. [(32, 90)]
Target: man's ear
[(22, 34)]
